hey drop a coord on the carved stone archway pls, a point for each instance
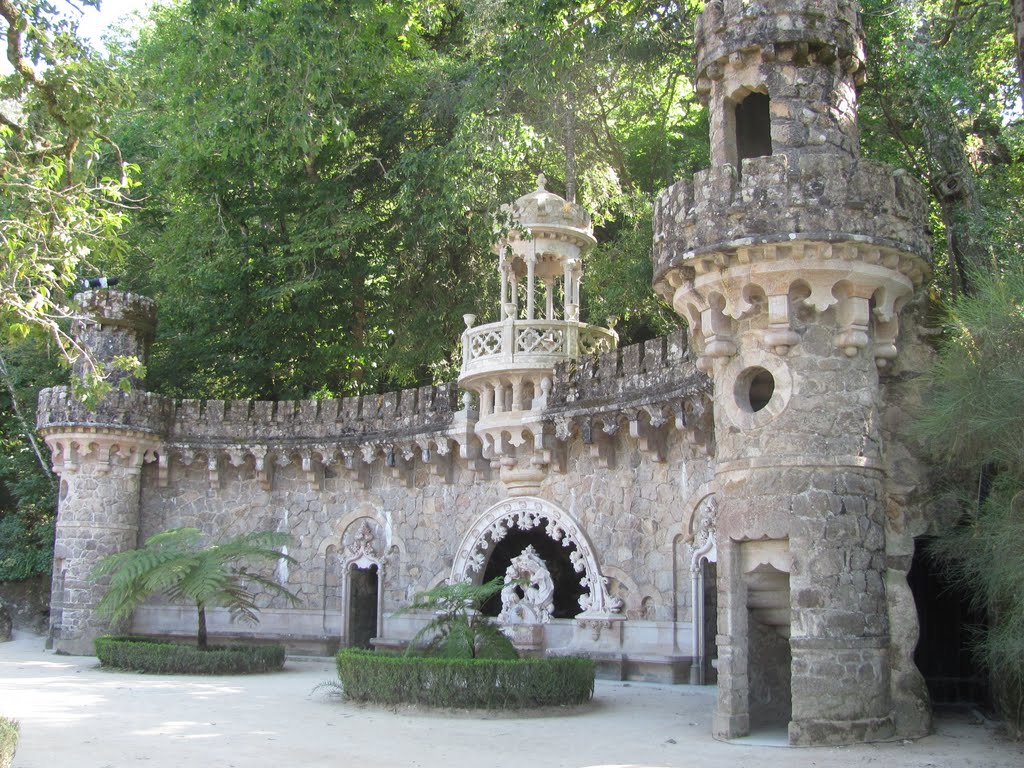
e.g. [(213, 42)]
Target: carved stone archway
[(705, 551), (528, 513)]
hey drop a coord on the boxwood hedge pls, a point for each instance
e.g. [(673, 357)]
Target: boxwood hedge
[(465, 683), (162, 657), (8, 741)]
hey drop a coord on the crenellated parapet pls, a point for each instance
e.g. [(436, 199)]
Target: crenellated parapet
[(644, 390), (824, 198), (825, 29), (113, 325)]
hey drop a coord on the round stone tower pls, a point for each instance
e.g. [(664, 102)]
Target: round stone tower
[(509, 364), (790, 259), (99, 457)]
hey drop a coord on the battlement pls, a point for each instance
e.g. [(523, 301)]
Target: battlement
[(408, 411), (821, 28), (117, 308), (623, 373), (829, 198), (137, 411)]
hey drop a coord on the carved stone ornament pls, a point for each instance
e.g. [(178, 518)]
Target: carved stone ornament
[(528, 513), (361, 550), (528, 596)]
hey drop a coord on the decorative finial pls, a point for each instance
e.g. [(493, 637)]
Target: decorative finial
[(542, 180)]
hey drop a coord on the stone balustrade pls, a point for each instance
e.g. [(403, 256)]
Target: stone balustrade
[(530, 344), (821, 197)]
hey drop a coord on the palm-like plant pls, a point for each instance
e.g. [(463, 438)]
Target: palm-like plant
[(458, 629), (176, 564)]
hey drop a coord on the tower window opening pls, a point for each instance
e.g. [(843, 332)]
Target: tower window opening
[(753, 127)]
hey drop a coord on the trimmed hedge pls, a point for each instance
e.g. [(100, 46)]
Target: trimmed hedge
[(8, 741), (465, 683), (168, 658)]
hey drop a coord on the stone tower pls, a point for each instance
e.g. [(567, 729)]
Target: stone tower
[(98, 456), (790, 259), (509, 364)]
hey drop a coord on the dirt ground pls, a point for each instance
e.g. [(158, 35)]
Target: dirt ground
[(73, 713)]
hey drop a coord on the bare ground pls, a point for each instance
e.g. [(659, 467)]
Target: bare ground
[(73, 713)]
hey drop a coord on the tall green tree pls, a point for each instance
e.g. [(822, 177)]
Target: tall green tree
[(974, 422), (328, 174), (62, 181)]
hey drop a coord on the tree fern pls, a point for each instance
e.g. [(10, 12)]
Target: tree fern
[(176, 564)]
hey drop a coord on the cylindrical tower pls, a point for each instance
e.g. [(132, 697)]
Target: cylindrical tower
[(509, 364), (98, 455), (790, 259)]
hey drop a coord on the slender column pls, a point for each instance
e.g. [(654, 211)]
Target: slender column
[(499, 397), (549, 295), (486, 402), (531, 286), (517, 394), (504, 290), (566, 290), (515, 296)]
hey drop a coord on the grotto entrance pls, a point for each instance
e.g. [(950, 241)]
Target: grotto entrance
[(557, 559), (948, 624)]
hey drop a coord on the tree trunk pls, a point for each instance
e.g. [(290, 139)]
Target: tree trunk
[(1018, 37), (952, 184), (201, 634)]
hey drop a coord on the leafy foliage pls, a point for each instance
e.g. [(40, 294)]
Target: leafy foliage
[(8, 741), (167, 658), (974, 421), (458, 629), (465, 683), (174, 563), (63, 183), (328, 174), (27, 486)]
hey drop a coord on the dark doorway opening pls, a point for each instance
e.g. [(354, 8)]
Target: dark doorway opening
[(568, 589), (948, 626), (753, 127), (709, 672), (362, 606)]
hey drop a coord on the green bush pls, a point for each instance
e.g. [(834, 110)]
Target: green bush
[(465, 683), (161, 657), (8, 741)]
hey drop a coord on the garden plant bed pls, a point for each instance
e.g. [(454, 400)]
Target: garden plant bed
[(165, 657), (383, 678)]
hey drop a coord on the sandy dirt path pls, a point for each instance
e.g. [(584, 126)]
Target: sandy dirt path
[(73, 713)]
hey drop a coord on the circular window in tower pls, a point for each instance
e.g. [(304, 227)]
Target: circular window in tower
[(754, 389), (761, 389)]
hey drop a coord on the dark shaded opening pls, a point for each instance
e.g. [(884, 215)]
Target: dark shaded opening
[(762, 387), (556, 558), (753, 127), (362, 606), (948, 626), (709, 672)]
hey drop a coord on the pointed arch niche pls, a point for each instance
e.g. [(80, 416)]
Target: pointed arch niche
[(528, 513)]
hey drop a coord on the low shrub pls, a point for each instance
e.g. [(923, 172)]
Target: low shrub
[(465, 683), (162, 657), (8, 741)]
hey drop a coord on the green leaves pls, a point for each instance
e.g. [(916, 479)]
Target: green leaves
[(176, 564)]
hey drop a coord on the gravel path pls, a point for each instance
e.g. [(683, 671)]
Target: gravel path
[(73, 713)]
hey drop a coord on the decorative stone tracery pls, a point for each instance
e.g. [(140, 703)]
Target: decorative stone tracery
[(529, 513)]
